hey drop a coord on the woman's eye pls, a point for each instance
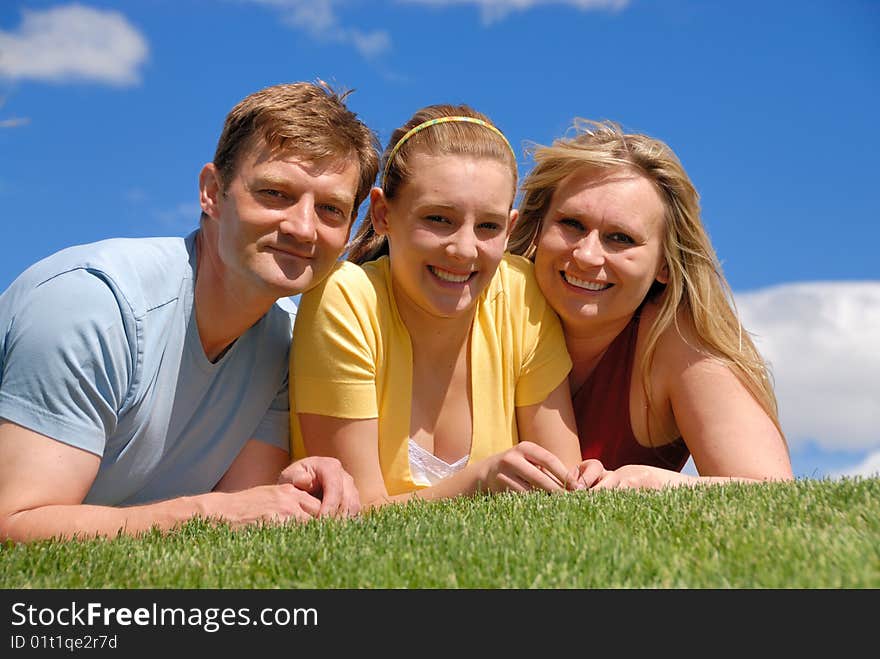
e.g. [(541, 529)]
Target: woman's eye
[(435, 218), (621, 238), (572, 223)]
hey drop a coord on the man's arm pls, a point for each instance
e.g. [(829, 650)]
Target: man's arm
[(43, 483)]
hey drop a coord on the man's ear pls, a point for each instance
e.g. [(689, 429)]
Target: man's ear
[(379, 211), (663, 273), (210, 190)]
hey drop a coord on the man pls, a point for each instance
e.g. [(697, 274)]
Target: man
[(144, 381)]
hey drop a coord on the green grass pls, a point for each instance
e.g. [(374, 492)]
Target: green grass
[(806, 534)]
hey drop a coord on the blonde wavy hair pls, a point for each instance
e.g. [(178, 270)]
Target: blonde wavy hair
[(451, 138), (696, 287)]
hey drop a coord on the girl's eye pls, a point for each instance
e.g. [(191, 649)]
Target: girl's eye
[(492, 227)]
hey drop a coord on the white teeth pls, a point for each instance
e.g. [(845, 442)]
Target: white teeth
[(448, 276), (580, 283)]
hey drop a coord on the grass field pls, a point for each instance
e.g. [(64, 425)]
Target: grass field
[(806, 534)]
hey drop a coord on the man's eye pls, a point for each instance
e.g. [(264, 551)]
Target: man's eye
[(492, 227), (274, 194), (330, 208)]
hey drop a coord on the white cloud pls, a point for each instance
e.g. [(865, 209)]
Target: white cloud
[(493, 10), (821, 340), (869, 467), (14, 122), (73, 42), (319, 19)]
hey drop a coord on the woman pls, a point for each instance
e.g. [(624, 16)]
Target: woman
[(612, 223), (436, 368)]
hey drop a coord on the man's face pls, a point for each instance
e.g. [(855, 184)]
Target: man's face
[(282, 222)]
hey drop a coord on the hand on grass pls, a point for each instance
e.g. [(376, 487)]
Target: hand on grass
[(636, 476), (325, 479), (264, 503), (526, 466)]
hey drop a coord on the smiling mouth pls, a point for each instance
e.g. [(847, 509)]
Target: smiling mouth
[(289, 253), (584, 284), (451, 277)]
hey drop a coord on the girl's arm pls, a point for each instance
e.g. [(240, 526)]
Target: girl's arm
[(355, 443), (551, 424)]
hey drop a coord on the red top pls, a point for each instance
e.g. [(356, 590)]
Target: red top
[(601, 407)]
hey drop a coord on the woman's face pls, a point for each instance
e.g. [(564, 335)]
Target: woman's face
[(601, 246), (447, 229)]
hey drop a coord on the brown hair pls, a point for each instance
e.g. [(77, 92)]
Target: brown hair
[(303, 118), (449, 138), (696, 287)]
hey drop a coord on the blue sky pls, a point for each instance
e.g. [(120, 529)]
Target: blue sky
[(109, 109)]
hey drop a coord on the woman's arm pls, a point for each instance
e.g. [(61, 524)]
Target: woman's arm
[(729, 435)]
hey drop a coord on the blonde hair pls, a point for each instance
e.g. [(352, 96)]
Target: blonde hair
[(696, 286), (480, 139), (307, 119)]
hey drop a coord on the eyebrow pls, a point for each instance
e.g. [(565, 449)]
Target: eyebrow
[(441, 206), (282, 182), (609, 223)]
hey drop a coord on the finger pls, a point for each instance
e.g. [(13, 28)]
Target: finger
[(512, 483), (351, 504), (591, 472), (537, 478), (332, 491), (609, 481), (572, 480), (548, 462), (298, 475), (308, 504)]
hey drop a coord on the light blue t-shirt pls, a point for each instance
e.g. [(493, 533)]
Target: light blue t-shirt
[(99, 349)]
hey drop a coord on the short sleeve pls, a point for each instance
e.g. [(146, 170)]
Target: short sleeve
[(274, 427), (546, 361), (68, 361), (333, 356)]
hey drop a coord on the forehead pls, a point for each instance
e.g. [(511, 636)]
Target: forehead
[(434, 171), (617, 194), (262, 160)]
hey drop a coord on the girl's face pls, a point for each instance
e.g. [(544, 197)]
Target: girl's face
[(447, 229), (600, 247)]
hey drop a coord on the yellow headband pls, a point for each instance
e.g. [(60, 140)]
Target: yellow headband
[(433, 122)]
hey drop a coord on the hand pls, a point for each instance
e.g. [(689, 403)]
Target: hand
[(526, 466), (265, 503), (324, 478), (588, 473), (637, 476)]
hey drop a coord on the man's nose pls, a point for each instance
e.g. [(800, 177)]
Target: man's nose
[(301, 220)]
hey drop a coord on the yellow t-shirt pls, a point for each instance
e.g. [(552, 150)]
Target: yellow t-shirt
[(352, 358)]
